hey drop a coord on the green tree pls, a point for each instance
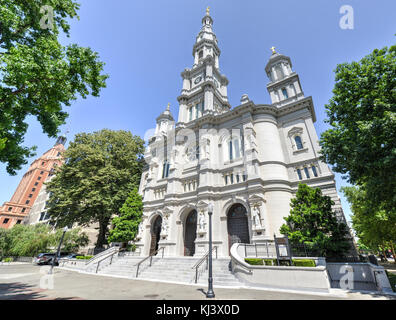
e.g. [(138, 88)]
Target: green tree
[(4, 242), (374, 229), (29, 240), (73, 240), (362, 112), (127, 224), (38, 75), (91, 186), (313, 222)]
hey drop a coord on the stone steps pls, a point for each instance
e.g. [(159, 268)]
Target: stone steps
[(172, 269)]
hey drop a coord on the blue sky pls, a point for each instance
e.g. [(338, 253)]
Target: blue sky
[(147, 44)]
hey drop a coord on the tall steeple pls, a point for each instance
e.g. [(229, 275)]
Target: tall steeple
[(204, 87)]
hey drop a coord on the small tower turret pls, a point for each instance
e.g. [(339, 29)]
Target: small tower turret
[(165, 122), (284, 85)]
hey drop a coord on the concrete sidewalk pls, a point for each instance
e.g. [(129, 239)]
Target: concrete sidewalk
[(22, 282)]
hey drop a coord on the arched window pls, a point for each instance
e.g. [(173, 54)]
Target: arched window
[(298, 141), (306, 172), (165, 169), (200, 55), (284, 92), (315, 172), (234, 148), (190, 113), (299, 174), (197, 111), (279, 72)]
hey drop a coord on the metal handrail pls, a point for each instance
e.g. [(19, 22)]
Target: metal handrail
[(151, 259), (198, 264), (95, 257), (112, 255)]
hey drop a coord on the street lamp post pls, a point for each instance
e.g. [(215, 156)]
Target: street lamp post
[(58, 251), (210, 293)]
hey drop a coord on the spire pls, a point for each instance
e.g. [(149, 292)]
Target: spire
[(207, 19), (166, 114)]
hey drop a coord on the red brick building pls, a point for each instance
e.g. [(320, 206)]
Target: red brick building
[(14, 211)]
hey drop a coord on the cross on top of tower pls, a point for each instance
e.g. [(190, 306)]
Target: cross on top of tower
[(273, 50), (207, 10)]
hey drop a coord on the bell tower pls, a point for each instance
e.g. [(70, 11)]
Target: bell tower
[(284, 86), (204, 87)]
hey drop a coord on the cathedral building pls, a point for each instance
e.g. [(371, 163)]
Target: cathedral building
[(18, 208), (247, 161)]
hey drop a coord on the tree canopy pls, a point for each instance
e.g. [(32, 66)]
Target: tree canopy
[(312, 221), (374, 229), (100, 170), (362, 112), (127, 224), (30, 240), (38, 75)]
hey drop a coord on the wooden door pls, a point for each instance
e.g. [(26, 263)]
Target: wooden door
[(190, 233)]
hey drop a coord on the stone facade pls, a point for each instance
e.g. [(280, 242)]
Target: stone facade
[(247, 160)]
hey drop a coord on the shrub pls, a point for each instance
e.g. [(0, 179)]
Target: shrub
[(84, 257), (131, 247), (304, 263), (254, 261), (8, 260), (392, 280), (270, 262)]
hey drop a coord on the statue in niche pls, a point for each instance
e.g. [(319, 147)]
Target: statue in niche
[(251, 139), (257, 217), (140, 233), (201, 221), (165, 226)]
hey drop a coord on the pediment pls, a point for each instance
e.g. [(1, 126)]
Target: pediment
[(295, 130)]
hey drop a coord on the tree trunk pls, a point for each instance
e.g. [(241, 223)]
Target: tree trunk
[(393, 251), (384, 253), (102, 233)]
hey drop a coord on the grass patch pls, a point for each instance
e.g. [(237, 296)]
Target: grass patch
[(392, 280)]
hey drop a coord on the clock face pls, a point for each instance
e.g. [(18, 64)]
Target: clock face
[(198, 80)]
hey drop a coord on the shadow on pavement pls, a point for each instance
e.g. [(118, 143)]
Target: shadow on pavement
[(19, 291)]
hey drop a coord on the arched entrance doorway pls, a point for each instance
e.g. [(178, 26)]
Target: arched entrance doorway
[(190, 233), (237, 225), (155, 234)]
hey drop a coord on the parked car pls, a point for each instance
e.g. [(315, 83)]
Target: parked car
[(45, 258)]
